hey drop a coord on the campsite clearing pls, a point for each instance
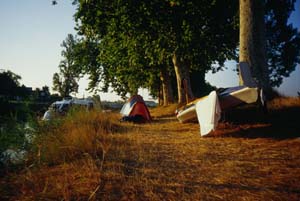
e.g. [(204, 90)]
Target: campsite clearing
[(249, 157)]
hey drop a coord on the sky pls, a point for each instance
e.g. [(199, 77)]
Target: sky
[(31, 32)]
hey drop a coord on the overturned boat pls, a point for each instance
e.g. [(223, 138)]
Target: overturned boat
[(208, 108)]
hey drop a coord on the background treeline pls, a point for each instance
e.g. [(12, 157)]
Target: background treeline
[(18, 101), (20, 108)]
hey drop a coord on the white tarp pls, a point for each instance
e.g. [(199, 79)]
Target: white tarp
[(126, 109), (245, 76), (208, 113)]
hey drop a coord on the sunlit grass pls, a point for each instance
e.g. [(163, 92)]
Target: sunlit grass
[(279, 103), (81, 133), (164, 111), (94, 156)]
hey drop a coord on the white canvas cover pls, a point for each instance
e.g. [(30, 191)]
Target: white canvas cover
[(245, 75), (208, 113), (125, 111)]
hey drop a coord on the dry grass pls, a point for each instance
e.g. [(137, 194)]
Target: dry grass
[(164, 111), (166, 160), (81, 133)]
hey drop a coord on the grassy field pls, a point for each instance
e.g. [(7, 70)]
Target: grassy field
[(92, 156)]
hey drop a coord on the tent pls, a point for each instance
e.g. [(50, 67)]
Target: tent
[(135, 110)]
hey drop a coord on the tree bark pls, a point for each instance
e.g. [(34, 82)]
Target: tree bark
[(183, 78), (253, 40), (160, 100), (170, 91), (166, 87)]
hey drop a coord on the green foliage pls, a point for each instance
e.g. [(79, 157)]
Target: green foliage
[(10, 110), (138, 38), (199, 86), (87, 52), (283, 40), (11, 136), (125, 44), (17, 122), (10, 85), (10, 77), (16, 139), (66, 81)]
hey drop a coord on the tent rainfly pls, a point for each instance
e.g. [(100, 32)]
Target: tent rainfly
[(135, 110)]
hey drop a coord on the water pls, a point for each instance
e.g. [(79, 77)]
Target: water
[(18, 155)]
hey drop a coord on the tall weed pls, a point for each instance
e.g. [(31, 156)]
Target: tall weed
[(80, 132)]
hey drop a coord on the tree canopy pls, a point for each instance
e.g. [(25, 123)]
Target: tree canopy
[(130, 44), (137, 38), (283, 40), (66, 81), (9, 83)]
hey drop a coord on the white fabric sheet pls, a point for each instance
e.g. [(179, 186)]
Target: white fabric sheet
[(126, 109), (208, 113)]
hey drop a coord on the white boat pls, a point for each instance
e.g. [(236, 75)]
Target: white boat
[(234, 96), (188, 113), (228, 98), (208, 108)]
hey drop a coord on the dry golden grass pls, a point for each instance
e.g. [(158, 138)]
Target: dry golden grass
[(166, 160), (164, 111), (280, 103), (81, 133)]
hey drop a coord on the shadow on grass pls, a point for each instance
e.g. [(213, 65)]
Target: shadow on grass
[(165, 119), (250, 122), (232, 186)]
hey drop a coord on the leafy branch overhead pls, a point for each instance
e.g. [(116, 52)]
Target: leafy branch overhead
[(66, 81), (140, 38), (126, 45)]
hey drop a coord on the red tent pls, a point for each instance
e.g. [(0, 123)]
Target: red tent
[(135, 109)]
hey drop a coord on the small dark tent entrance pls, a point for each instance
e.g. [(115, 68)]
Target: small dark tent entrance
[(135, 110)]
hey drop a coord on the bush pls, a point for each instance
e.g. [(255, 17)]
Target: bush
[(16, 130), (15, 140)]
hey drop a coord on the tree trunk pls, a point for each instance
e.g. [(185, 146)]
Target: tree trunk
[(183, 80), (166, 87), (253, 40), (170, 91), (160, 100)]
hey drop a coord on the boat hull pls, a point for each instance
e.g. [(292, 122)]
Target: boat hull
[(228, 98), (188, 113)]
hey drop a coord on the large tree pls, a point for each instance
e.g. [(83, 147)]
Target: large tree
[(138, 38), (253, 40), (9, 83), (10, 86), (267, 43), (137, 41), (66, 81)]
